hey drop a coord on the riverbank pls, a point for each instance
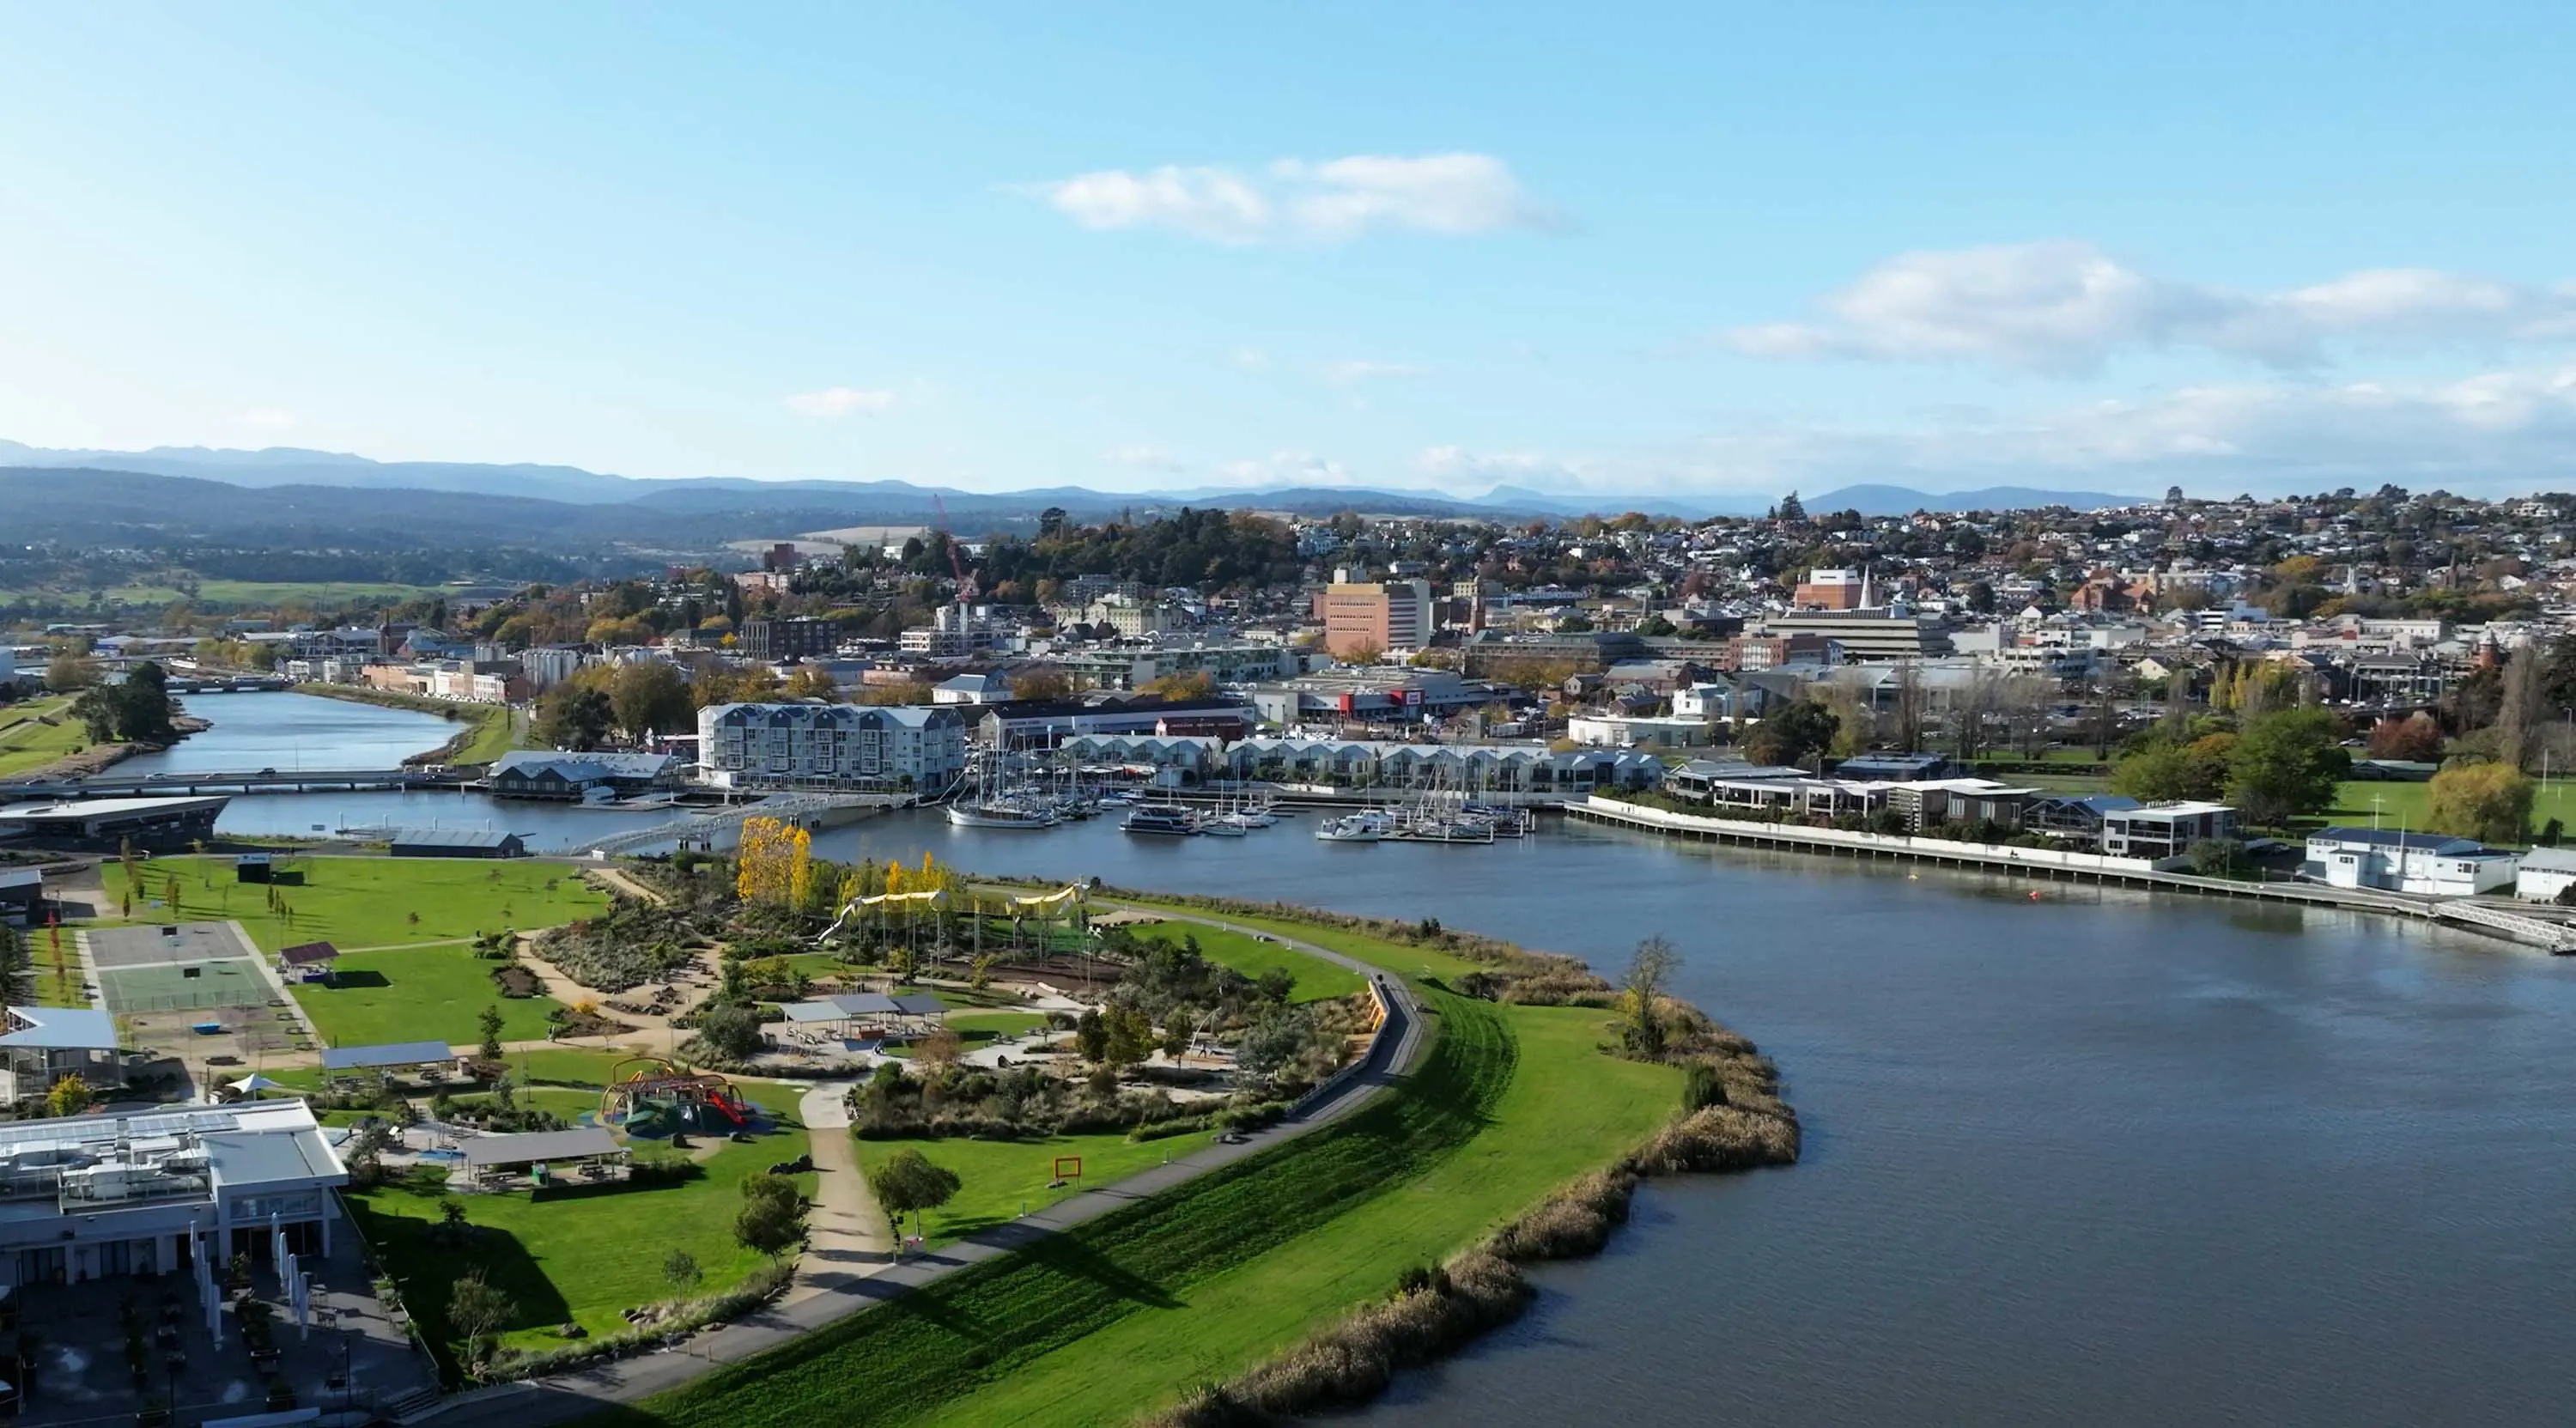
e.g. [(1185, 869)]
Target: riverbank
[(2051, 863), (40, 740), (493, 729)]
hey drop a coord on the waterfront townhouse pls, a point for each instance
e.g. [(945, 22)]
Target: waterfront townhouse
[(2427, 864), (831, 746)]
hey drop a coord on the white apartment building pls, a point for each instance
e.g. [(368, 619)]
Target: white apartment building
[(783, 745)]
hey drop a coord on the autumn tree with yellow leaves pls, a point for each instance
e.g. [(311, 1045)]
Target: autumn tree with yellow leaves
[(774, 862)]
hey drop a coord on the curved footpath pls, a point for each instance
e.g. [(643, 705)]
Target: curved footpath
[(840, 1275)]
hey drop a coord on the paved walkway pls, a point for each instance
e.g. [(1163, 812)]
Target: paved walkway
[(570, 1396), (847, 1234)]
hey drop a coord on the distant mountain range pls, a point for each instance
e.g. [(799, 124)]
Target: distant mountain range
[(620, 507)]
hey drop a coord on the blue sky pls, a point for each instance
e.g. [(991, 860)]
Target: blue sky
[(1694, 249)]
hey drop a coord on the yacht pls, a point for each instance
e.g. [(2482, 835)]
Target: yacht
[(1164, 822), (1222, 826), (999, 815), (1354, 828)]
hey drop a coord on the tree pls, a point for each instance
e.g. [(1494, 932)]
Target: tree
[(1642, 993), (573, 716), (69, 1097), (910, 1183), (1091, 1035), (2416, 739), (730, 1029), (2522, 706), (1791, 508), (772, 1218), (2488, 802), (1793, 735), (1188, 684), (367, 1148), (680, 1270), (649, 697), (1177, 1028), (1361, 652), (1041, 681), (2286, 764), (68, 672), (477, 1309), (490, 1022)]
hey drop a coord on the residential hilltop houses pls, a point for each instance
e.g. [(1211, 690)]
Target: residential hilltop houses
[(1957, 651)]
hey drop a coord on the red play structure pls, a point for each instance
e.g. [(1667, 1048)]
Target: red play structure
[(658, 1098)]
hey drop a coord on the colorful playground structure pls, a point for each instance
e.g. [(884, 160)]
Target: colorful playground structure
[(658, 1099)]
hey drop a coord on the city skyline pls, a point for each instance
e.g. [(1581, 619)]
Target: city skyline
[(1705, 255)]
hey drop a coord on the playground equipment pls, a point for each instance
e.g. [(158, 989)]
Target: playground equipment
[(864, 907), (658, 1099)]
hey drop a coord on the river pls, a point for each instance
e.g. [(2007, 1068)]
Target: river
[(2107, 1157)]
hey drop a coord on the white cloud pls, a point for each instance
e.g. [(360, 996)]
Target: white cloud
[(1325, 201), (1343, 374), (2066, 307), (1251, 358), (840, 401), (266, 419), (1461, 472)]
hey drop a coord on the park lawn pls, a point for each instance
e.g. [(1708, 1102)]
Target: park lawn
[(563, 1101), (26, 742), (419, 994), (975, 1026), (1317, 979), (565, 1066), (1000, 1180), (1396, 957), (582, 1257), (366, 902), (978, 1328), (1570, 1109), (2406, 804)]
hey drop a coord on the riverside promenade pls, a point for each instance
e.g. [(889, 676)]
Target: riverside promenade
[(2062, 865)]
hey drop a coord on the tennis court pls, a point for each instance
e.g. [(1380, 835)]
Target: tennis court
[(177, 986)]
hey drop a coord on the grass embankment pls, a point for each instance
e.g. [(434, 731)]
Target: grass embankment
[(994, 1323), (581, 1257), (493, 729), (1568, 1110), (1000, 1180), (28, 742), (1317, 980)]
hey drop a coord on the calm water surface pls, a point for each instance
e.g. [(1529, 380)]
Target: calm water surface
[(2102, 1158), (2099, 1159)]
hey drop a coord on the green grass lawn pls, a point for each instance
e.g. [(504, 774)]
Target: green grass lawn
[(366, 902), (2405, 804), (993, 1025), (1568, 1110), (1317, 980), (581, 1258), (421, 994), (1394, 957), (999, 1180), (27, 742)]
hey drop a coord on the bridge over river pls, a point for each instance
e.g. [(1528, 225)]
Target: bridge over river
[(267, 780)]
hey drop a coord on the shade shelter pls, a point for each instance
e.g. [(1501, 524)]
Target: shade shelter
[(582, 1153), (344, 1062), (870, 1016)]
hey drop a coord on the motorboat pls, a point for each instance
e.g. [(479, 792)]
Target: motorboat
[(1353, 828), (1222, 826), (1161, 822)]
